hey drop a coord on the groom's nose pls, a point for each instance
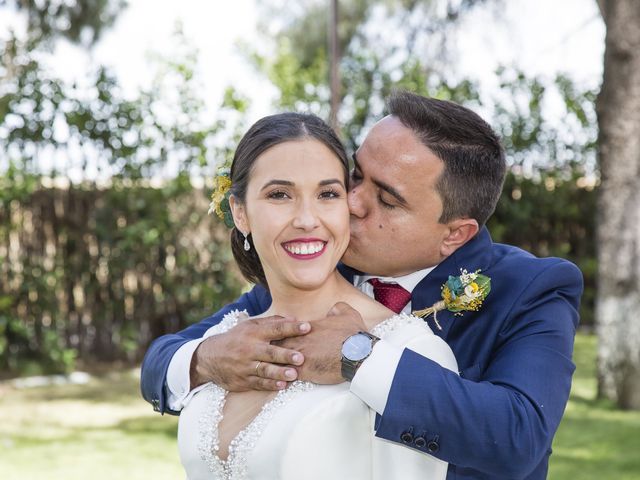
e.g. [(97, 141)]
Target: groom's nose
[(355, 199)]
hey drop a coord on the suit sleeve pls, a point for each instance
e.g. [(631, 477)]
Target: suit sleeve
[(504, 423), (158, 357)]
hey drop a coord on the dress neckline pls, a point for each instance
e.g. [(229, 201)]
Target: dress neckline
[(235, 465)]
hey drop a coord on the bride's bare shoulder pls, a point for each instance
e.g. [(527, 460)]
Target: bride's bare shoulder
[(371, 311)]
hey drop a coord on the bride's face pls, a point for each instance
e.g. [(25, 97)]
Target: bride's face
[(296, 210)]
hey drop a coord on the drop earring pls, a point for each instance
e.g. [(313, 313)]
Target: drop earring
[(247, 245)]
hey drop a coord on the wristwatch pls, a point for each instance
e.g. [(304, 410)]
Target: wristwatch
[(355, 350)]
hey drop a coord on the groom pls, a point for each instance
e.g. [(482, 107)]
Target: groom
[(426, 179)]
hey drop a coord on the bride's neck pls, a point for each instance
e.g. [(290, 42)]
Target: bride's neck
[(306, 305)]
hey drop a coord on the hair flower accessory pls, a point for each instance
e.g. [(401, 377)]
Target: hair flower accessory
[(464, 293), (220, 197)]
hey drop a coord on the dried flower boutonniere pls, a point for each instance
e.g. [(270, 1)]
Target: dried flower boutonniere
[(464, 293)]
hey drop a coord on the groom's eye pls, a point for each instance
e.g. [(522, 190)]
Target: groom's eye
[(385, 204), (355, 176)]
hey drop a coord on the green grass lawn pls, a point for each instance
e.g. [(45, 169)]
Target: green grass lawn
[(104, 430), (98, 431), (595, 440)]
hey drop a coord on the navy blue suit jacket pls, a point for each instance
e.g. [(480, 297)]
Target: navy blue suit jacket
[(497, 418)]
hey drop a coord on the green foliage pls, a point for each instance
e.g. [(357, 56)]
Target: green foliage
[(78, 21), (300, 86), (93, 269), (533, 141), (370, 65), (549, 197), (91, 129), (551, 216), (96, 269), (96, 274)]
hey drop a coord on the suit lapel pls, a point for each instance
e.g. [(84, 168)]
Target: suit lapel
[(474, 255), (348, 272)]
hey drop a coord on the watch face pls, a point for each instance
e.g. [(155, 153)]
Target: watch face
[(356, 347)]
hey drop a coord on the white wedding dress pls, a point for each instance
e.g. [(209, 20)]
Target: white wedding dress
[(309, 431)]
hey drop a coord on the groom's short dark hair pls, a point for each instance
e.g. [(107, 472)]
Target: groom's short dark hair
[(474, 160)]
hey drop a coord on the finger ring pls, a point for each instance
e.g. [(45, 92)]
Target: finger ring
[(258, 365)]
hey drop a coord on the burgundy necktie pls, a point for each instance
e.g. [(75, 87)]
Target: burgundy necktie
[(391, 295)]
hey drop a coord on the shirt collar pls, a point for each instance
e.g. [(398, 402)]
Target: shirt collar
[(408, 282)]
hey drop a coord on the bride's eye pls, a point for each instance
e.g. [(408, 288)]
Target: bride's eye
[(277, 195), (330, 193)]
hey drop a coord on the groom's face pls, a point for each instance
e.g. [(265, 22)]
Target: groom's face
[(394, 204)]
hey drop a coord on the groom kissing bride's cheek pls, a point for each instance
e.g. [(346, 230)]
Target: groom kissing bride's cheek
[(464, 360)]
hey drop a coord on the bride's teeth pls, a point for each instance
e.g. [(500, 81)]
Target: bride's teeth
[(305, 248)]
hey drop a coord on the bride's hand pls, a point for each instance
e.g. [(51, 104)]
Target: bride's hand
[(322, 346), (243, 358)]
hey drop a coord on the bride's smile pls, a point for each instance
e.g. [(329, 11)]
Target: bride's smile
[(305, 248)]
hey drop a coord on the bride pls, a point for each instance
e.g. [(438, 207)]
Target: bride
[(289, 180)]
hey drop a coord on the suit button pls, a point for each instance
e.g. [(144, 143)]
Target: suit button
[(406, 437), (156, 404), (433, 446), (420, 442)]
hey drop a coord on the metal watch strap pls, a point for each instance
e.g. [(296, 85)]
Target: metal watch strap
[(348, 367)]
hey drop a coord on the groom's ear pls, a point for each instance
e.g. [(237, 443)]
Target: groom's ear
[(459, 232), (239, 215)]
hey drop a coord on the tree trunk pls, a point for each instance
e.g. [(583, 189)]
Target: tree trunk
[(618, 301)]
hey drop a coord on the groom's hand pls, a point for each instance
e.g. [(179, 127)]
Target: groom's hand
[(323, 344), (244, 358)]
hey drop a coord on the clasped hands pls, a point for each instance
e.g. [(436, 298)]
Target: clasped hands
[(268, 353)]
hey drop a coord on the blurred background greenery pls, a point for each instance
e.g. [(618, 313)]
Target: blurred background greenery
[(92, 269)]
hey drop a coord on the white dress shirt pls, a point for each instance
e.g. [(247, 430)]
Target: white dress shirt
[(373, 379), (371, 383)]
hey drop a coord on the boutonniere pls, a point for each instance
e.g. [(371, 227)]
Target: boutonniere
[(464, 293)]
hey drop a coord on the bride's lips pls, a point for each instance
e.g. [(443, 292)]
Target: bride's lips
[(304, 248)]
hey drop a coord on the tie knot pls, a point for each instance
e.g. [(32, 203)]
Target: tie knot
[(391, 295)]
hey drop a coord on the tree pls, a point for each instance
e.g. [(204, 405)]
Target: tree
[(370, 65), (618, 300)]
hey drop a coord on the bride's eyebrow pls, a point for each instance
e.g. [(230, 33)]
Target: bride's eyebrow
[(330, 182), (284, 183)]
